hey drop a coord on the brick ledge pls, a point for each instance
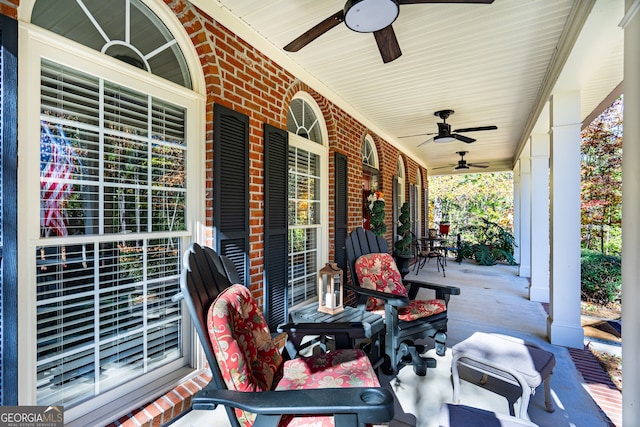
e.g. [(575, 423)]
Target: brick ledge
[(165, 408)]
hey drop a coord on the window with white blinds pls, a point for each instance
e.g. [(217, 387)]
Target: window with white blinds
[(308, 200), (113, 189), (304, 224)]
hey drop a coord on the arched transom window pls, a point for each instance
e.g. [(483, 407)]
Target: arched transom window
[(123, 29), (302, 120), (369, 155)]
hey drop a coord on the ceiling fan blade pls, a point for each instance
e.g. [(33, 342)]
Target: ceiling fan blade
[(477, 129), (315, 32), (443, 167), (463, 138), (425, 142), (478, 165), (418, 134), (445, 1), (387, 44)]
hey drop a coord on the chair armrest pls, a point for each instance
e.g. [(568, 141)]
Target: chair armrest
[(391, 299), (442, 291), (370, 404)]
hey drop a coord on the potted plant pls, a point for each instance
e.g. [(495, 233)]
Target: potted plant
[(402, 247), (376, 207), (444, 224)]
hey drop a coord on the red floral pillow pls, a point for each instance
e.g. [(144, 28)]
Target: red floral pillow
[(247, 356), (378, 271)]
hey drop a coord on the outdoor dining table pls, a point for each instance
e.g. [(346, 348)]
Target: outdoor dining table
[(431, 241)]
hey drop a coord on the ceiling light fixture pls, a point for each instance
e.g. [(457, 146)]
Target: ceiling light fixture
[(445, 138), (367, 16)]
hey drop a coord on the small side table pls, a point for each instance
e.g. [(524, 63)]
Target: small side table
[(373, 326)]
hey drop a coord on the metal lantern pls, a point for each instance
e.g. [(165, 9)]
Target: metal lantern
[(330, 289)]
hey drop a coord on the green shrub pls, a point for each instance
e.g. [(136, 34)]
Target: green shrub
[(493, 243), (483, 255), (403, 245), (601, 277)]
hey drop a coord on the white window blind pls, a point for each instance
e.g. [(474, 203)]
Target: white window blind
[(304, 224), (113, 185)]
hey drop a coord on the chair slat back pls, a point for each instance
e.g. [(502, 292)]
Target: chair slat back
[(201, 282), (362, 242)]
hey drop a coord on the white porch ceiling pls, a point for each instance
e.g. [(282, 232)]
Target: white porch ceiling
[(493, 64)]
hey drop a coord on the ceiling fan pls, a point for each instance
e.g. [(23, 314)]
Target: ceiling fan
[(462, 163), (368, 16), (444, 133)]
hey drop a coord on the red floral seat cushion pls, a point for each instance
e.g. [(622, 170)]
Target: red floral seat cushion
[(250, 361), (378, 271)]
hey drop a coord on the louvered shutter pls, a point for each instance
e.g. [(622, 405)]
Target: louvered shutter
[(425, 211), (8, 202), (276, 149), (340, 210), (231, 186), (395, 207), (413, 208)]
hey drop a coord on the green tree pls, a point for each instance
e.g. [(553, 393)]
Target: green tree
[(471, 198), (601, 187)]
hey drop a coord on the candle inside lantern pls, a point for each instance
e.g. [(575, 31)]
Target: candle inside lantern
[(329, 300)]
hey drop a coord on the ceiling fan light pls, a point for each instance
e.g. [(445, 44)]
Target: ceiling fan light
[(367, 16), (445, 138)]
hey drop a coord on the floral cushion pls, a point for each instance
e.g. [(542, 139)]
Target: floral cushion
[(336, 369), (247, 356), (416, 309), (250, 361), (378, 271)]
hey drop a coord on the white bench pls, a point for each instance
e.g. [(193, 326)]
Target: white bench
[(507, 359)]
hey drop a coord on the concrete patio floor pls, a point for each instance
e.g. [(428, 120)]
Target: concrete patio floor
[(492, 299)]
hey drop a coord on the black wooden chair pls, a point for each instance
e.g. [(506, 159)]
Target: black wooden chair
[(402, 324), (252, 379)]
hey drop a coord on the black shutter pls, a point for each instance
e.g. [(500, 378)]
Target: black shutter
[(395, 209), (276, 181), (8, 203), (341, 210), (231, 187), (413, 208), (425, 211)]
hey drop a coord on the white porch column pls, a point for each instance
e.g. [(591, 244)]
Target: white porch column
[(539, 290), (564, 318), (631, 222), (516, 212), (525, 215)]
